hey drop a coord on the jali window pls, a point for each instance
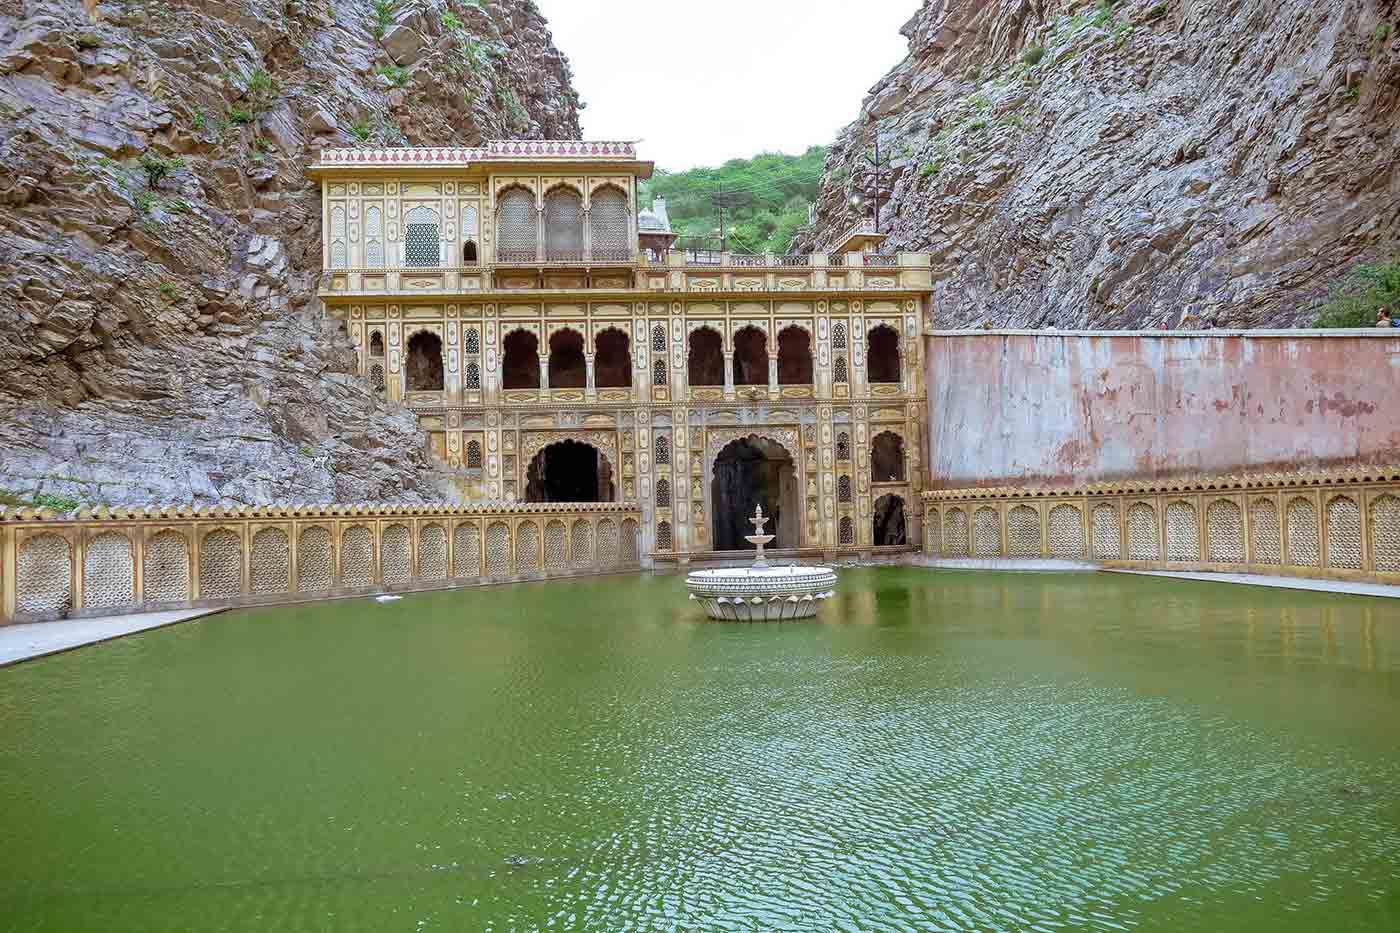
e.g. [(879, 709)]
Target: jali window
[(516, 219), (420, 239), (374, 237), (608, 224)]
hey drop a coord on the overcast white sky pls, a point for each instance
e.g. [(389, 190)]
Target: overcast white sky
[(710, 80)]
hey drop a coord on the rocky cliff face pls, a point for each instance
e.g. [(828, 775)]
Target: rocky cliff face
[(160, 245), (1080, 163)]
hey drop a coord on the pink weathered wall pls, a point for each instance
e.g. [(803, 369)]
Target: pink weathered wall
[(1025, 408)]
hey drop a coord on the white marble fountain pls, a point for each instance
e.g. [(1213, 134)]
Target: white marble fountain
[(761, 593)]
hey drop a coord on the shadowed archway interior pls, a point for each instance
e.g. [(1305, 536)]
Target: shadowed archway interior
[(612, 364), (748, 472), (567, 369), (706, 359), (750, 357), (423, 367), (887, 458), (569, 471), (889, 521), (521, 367)]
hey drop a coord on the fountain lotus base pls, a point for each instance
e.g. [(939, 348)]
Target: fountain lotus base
[(762, 594)]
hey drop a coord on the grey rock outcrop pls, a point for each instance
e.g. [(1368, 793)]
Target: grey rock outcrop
[(159, 331), (1079, 163)]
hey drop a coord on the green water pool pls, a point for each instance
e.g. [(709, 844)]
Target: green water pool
[(938, 751)]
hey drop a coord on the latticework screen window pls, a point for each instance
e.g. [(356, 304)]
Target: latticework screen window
[(658, 338), (515, 226), (474, 455), (471, 376), (420, 238), (839, 375), (658, 373), (608, 224), (663, 450), (563, 225), (838, 336), (339, 255), (473, 340), (374, 237)]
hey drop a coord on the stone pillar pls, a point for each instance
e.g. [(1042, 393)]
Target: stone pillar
[(729, 375), (544, 373), (590, 390), (773, 375)]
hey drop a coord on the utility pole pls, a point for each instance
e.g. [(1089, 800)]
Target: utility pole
[(875, 179), (723, 198)]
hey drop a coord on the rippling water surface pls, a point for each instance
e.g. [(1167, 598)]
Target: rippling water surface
[(940, 751)]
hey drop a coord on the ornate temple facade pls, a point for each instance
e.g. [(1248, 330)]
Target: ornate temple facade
[(557, 348)]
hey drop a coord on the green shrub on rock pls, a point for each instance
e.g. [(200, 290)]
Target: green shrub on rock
[(1354, 301), (156, 168)]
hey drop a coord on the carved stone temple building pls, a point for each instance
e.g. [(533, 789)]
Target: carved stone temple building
[(556, 348)]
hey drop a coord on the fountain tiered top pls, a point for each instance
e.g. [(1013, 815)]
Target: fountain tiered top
[(761, 592)]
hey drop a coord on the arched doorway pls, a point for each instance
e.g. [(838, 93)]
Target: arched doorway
[(566, 367), (750, 357), (887, 458), (794, 357), (889, 521), (754, 471), (612, 364), (706, 362), (423, 367), (521, 367), (882, 354), (569, 471)]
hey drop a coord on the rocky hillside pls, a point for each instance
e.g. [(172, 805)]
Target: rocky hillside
[(159, 243), (1081, 163)]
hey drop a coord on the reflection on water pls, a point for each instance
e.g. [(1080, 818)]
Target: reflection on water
[(939, 751)]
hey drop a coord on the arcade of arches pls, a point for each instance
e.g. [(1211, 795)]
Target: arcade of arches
[(569, 471), (749, 472)]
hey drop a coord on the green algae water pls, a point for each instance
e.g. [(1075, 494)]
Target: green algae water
[(938, 751)]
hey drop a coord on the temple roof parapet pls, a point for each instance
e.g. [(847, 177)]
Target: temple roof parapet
[(496, 151)]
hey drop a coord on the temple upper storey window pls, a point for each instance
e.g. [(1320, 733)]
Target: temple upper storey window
[(609, 225), (517, 226), (882, 354), (420, 238), (563, 225), (339, 251), (374, 237)]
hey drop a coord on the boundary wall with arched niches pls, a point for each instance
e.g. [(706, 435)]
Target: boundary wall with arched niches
[(1340, 525), (115, 561)]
